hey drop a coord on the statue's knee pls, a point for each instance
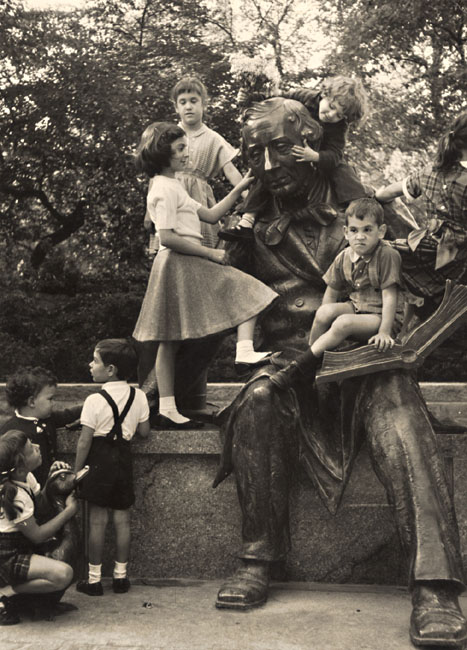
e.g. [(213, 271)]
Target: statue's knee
[(261, 394)]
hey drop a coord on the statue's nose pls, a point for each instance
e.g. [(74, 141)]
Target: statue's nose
[(269, 160)]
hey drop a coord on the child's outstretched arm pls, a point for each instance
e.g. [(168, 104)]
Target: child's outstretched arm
[(383, 339), (389, 192), (212, 215), (38, 534), (83, 447)]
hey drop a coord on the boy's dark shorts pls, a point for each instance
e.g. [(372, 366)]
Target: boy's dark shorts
[(109, 483)]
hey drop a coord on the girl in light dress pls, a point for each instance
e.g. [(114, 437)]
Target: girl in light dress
[(192, 292)]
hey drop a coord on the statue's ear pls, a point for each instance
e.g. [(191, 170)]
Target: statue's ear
[(313, 133)]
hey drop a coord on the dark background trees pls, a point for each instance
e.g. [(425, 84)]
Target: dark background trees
[(78, 87)]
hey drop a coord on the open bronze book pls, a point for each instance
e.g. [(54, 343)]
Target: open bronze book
[(411, 353)]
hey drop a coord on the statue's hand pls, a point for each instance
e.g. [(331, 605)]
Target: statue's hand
[(242, 96), (381, 341)]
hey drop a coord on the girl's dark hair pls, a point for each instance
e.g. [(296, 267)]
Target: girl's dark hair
[(154, 152), (451, 143), (11, 447), (121, 354), (27, 382)]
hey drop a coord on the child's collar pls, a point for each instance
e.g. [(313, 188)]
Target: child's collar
[(32, 418), (354, 256), (463, 163)]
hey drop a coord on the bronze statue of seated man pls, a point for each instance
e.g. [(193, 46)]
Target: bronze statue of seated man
[(296, 237)]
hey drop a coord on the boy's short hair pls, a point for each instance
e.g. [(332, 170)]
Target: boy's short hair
[(154, 150), (350, 94), (189, 84), (27, 382), (365, 207), (121, 354)]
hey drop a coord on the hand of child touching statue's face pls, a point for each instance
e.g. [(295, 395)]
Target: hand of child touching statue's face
[(305, 153)]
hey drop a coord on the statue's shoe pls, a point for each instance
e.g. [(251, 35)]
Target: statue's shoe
[(247, 588), (438, 624)]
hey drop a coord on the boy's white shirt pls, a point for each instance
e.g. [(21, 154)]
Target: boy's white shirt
[(97, 413), (23, 502)]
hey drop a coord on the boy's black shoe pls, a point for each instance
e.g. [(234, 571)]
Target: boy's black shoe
[(7, 614), (235, 233), (121, 585), (91, 589)]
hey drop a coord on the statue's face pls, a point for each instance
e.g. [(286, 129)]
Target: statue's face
[(268, 144)]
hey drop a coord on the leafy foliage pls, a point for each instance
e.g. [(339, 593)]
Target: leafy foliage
[(78, 87)]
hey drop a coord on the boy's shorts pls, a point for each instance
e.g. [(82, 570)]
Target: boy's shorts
[(109, 483), (15, 558)]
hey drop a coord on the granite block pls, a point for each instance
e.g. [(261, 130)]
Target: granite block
[(181, 527)]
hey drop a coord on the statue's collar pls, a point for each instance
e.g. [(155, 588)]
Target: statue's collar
[(273, 228)]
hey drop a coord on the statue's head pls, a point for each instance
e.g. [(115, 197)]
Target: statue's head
[(271, 128)]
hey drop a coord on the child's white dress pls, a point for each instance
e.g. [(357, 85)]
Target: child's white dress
[(190, 297)]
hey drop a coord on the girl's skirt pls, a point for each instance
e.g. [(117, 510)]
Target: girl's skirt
[(189, 297), (15, 557)]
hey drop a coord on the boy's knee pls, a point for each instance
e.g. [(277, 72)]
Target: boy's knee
[(324, 315), (343, 324)]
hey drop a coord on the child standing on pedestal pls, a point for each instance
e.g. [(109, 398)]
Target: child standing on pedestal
[(191, 294), (109, 421), (368, 272), (339, 102), (209, 153), (442, 186)]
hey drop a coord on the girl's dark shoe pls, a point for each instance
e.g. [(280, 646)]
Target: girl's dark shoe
[(163, 422), (121, 585), (90, 589), (235, 233), (7, 614)]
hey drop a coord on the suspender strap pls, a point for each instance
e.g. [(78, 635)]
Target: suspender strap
[(347, 266), (116, 432)]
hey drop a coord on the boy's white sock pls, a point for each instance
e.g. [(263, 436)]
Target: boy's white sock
[(120, 570), (168, 408), (246, 353), (95, 571)]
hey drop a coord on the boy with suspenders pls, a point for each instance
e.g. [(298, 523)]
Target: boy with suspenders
[(109, 421)]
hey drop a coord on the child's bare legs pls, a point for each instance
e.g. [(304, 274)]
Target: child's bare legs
[(245, 350), (325, 316), (359, 326), (98, 518), (122, 534), (45, 575), (165, 374), (121, 518), (334, 322)]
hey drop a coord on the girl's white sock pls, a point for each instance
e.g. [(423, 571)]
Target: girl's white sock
[(120, 570), (246, 353), (94, 572), (168, 408), (7, 591)]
